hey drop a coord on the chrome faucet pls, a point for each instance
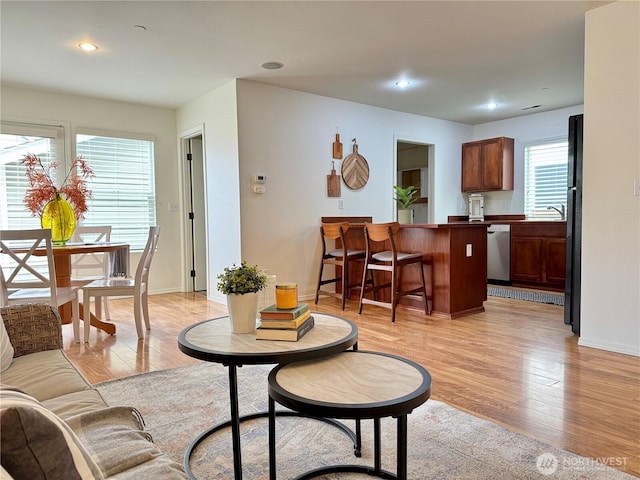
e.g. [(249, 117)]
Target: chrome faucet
[(561, 211)]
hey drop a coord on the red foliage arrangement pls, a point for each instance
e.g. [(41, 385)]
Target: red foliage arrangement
[(42, 190)]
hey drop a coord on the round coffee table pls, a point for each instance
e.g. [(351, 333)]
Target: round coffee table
[(213, 341), (351, 385)]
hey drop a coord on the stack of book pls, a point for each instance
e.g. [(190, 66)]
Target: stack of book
[(289, 324)]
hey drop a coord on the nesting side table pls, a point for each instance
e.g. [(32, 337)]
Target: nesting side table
[(351, 385)]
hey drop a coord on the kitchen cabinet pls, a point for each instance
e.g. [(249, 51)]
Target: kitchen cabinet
[(417, 177), (538, 254), (487, 165)]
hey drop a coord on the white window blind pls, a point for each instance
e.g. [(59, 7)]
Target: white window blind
[(123, 187), (545, 178), (17, 140)]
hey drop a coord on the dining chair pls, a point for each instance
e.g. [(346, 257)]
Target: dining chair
[(90, 264), (338, 257), (30, 278), (393, 262), (121, 287)]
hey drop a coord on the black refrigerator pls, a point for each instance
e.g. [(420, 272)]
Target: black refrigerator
[(574, 225)]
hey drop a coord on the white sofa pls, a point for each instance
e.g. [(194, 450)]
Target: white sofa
[(54, 424)]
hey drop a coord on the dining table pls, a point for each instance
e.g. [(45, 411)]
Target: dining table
[(62, 256)]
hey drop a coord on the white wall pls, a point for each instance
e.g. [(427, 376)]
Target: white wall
[(287, 136), (523, 130), (85, 112), (611, 213), (216, 111)]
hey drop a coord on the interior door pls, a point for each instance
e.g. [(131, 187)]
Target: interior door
[(197, 215)]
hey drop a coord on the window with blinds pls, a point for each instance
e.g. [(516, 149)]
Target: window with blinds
[(17, 140), (545, 178), (123, 187)]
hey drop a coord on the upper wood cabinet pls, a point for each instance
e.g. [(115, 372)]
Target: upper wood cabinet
[(418, 178), (487, 165)]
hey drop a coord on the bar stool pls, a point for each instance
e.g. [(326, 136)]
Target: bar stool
[(340, 257), (393, 262)]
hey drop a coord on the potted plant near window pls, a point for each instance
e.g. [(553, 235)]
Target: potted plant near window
[(405, 198), (241, 284)]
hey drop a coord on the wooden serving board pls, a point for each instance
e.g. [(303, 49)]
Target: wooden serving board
[(333, 184), (355, 171)]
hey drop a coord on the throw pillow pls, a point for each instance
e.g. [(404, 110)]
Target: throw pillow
[(6, 349), (38, 445)]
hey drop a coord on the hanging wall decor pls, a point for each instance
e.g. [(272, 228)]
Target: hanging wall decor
[(337, 148), (355, 169), (333, 183)]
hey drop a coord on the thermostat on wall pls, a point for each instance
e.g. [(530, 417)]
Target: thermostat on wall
[(257, 178)]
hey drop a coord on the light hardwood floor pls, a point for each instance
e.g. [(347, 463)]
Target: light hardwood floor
[(516, 364)]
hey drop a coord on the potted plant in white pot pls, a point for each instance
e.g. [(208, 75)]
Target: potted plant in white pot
[(405, 198), (241, 284)]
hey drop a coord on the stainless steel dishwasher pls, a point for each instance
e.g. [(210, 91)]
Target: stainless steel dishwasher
[(498, 253)]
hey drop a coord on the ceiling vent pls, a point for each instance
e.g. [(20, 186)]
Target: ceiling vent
[(531, 107)]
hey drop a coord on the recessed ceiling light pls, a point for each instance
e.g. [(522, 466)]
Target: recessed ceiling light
[(492, 106), (88, 47), (272, 65), (403, 83)]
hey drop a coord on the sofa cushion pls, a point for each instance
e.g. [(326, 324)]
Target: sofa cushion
[(6, 349), (45, 375), (115, 438), (75, 403), (38, 445)]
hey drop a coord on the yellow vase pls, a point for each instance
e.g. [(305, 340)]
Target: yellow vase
[(59, 217)]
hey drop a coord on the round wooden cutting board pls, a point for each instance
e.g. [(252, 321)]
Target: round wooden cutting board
[(355, 170)]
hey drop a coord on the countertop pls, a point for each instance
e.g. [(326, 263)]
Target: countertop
[(502, 220)]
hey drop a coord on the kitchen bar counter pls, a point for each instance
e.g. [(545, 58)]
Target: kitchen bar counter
[(503, 220), (459, 280)]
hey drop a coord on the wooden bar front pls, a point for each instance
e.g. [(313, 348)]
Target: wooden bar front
[(459, 281)]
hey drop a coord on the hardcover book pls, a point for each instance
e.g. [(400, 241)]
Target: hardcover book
[(284, 314), (286, 334), (286, 324)]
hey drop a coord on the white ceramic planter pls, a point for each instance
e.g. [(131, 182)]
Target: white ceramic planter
[(405, 216), (243, 312)]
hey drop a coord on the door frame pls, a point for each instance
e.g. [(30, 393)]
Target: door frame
[(431, 170), (184, 138)]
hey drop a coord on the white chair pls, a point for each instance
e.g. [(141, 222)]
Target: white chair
[(91, 263), (31, 278), (136, 287)]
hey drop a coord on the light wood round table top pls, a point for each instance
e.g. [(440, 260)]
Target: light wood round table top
[(351, 384), (213, 341)]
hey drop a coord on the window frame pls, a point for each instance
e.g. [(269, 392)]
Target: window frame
[(532, 200), (136, 237)]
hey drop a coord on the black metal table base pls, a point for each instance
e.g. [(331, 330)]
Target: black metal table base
[(236, 419), (375, 471)]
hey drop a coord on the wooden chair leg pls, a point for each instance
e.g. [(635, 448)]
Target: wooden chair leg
[(363, 286), (86, 314), (394, 291), (145, 310), (424, 289), (75, 318), (345, 282), (319, 280)]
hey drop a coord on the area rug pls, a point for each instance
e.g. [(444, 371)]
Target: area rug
[(529, 296), (443, 442)]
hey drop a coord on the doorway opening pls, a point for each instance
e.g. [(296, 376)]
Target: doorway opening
[(414, 166), (196, 224)]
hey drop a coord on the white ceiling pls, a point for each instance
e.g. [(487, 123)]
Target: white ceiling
[(459, 55)]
